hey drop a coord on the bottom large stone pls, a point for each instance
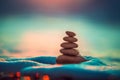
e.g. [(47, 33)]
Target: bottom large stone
[(64, 59)]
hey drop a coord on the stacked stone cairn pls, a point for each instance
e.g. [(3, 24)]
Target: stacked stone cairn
[(70, 55)]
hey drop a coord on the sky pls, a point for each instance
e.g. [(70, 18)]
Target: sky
[(100, 10), (36, 27)]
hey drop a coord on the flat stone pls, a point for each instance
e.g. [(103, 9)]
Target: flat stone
[(63, 59), (70, 33), (71, 52), (70, 39), (69, 45)]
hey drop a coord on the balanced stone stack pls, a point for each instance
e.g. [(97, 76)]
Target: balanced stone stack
[(69, 54)]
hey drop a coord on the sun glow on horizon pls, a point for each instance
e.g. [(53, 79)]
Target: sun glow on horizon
[(40, 43)]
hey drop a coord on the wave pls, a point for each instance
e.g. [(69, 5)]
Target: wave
[(93, 69)]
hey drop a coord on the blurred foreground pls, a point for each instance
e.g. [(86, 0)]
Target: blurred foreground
[(93, 69)]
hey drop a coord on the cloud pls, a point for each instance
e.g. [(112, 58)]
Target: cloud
[(101, 10), (9, 50), (1, 51)]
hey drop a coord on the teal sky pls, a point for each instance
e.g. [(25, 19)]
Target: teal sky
[(97, 39)]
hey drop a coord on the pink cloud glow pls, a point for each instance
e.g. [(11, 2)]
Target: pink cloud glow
[(40, 43), (57, 6)]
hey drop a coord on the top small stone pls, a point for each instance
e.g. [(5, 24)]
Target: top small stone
[(70, 33)]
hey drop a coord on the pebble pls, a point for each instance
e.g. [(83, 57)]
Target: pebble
[(71, 52), (70, 33), (70, 39), (64, 59), (67, 45)]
